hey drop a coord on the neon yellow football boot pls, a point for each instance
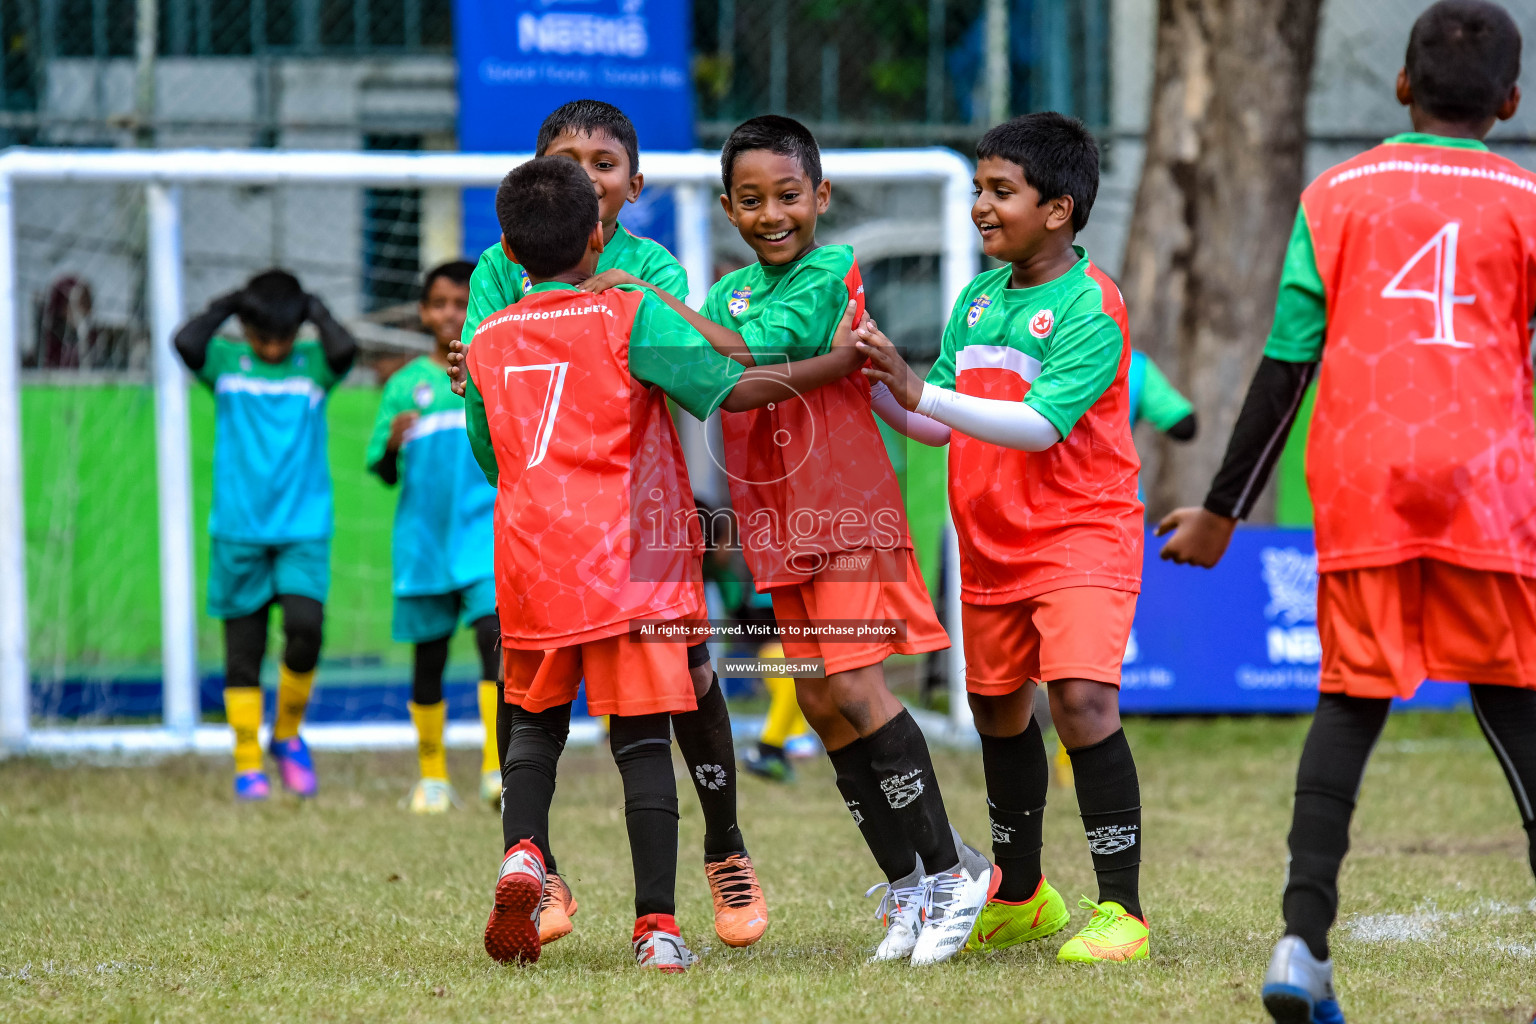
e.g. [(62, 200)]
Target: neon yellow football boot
[(1008, 924), (1112, 934)]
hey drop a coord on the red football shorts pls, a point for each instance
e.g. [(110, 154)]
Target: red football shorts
[(624, 677), (1072, 633), (1385, 630), (889, 589)]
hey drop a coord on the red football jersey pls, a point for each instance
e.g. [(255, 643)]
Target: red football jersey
[(809, 476), (1422, 443), (595, 522)]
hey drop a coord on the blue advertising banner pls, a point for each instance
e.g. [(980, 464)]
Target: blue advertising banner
[(520, 59), (1238, 638)]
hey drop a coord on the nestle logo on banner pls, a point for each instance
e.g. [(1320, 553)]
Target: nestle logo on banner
[(1292, 580), (585, 34)]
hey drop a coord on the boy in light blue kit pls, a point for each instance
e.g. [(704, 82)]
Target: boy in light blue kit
[(271, 524)]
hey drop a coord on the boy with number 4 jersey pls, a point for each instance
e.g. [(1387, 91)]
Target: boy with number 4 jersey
[(1411, 279), (1031, 379), (602, 140), (596, 533)]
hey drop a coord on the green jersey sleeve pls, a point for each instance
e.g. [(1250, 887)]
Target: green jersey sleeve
[(942, 374), (668, 275), (799, 322), (478, 427), (665, 350), (313, 364), (223, 355), (1301, 311), (496, 284), (1161, 404), (395, 400), (1082, 357)]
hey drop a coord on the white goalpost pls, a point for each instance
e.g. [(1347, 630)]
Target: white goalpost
[(693, 178)]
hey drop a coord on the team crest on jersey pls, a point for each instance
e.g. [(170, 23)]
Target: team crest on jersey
[(245, 364), (978, 304), (1041, 323), (740, 300), (527, 284), (422, 395)]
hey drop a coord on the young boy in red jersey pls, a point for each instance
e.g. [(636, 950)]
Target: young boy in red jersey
[(823, 524), (1411, 279), (603, 141), (1032, 379), (566, 411)]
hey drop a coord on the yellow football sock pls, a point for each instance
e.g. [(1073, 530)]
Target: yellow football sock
[(784, 718), (1063, 773), (490, 697), (292, 699), (242, 706), (429, 719)]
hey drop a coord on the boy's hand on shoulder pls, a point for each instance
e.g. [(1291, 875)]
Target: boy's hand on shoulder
[(886, 365), (608, 278), (399, 426), (1200, 537), (457, 375)]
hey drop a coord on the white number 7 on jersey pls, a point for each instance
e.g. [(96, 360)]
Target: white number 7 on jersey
[(1442, 293), (546, 427)]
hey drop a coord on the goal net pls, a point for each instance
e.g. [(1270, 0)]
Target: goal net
[(106, 448)]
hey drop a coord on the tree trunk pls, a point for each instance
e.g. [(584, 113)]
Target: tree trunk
[(1224, 163)]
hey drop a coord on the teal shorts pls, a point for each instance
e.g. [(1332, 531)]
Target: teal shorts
[(244, 578), (433, 616)]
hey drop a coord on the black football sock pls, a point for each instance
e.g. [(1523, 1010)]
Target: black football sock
[(1109, 800), (642, 749), (427, 671), (874, 817), (1508, 717), (898, 755), (704, 739), (1333, 759), (535, 740), (1018, 776)]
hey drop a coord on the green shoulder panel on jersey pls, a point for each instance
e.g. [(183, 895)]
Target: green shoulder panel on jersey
[(235, 356), (965, 312), (789, 311), (665, 350), (1301, 310), (1082, 353), (498, 282)]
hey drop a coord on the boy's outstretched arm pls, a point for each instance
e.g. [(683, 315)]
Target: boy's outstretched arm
[(722, 339), (1200, 535), (761, 385), (337, 342), (479, 430), (192, 338), (1008, 424)]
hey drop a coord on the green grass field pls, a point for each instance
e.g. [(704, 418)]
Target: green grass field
[(141, 893)]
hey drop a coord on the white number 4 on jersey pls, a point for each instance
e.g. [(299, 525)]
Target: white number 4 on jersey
[(1442, 291)]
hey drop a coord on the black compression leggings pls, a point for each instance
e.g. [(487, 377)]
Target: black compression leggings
[(1339, 743), (432, 659), (245, 639)]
